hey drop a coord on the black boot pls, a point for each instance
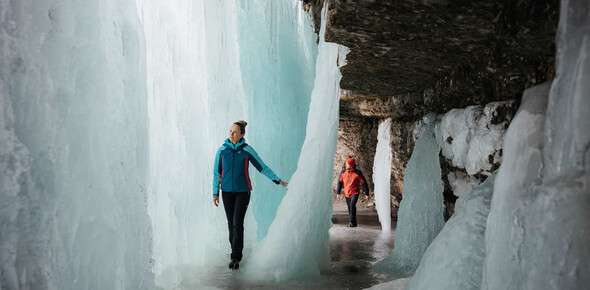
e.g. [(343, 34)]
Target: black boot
[(234, 264)]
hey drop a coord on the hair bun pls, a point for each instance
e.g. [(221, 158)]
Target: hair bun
[(242, 122)]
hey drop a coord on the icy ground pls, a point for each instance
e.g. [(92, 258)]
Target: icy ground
[(353, 251)]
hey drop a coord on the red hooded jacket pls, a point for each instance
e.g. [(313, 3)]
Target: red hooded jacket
[(350, 180)]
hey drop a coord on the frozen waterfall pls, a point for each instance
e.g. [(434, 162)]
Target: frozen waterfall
[(75, 146), (305, 212), (207, 74), (382, 175), (420, 216), (455, 258), (543, 243), (111, 115)]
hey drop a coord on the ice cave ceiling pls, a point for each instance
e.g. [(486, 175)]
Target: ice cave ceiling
[(411, 57)]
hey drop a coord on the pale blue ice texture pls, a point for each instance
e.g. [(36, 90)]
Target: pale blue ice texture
[(74, 146), (111, 115), (277, 58), (297, 243), (194, 94), (455, 258), (398, 284), (211, 63), (420, 216), (382, 174), (520, 169), (548, 228)]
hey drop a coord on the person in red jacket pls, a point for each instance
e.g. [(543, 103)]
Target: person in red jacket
[(350, 178)]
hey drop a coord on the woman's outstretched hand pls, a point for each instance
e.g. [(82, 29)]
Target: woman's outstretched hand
[(284, 184), (216, 200)]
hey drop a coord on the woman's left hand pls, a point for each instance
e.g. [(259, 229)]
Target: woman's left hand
[(284, 184)]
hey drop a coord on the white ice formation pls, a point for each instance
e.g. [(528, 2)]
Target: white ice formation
[(382, 175), (455, 258), (471, 140), (111, 114), (544, 241), (420, 216), (297, 243)]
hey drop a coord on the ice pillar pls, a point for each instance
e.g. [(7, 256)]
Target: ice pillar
[(548, 228), (504, 231), (557, 231), (297, 241), (382, 175), (462, 239), (420, 216), (277, 58)]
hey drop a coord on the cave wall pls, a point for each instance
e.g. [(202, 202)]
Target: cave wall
[(357, 138), (414, 57)]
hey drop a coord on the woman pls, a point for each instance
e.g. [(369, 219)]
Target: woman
[(231, 174), (350, 178)]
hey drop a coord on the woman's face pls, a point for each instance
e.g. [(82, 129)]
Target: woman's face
[(347, 165), (235, 134)]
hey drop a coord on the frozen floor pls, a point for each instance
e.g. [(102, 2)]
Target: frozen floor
[(353, 252)]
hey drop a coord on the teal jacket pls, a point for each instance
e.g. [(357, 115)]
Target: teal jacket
[(230, 170)]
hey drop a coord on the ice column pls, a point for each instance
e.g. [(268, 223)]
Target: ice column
[(420, 216), (455, 258), (277, 58), (297, 240), (557, 232), (548, 229), (74, 151), (382, 175), (504, 231)]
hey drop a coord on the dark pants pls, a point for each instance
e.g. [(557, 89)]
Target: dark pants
[(236, 204), (351, 203)]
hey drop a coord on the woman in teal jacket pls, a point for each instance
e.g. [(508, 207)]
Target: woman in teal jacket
[(231, 174)]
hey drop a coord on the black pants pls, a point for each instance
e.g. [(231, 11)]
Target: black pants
[(236, 204), (351, 203)]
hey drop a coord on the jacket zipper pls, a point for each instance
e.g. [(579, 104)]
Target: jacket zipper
[(233, 159)]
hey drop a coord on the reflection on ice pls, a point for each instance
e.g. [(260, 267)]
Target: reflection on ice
[(353, 251)]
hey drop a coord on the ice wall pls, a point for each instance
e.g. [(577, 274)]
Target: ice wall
[(211, 63), (523, 159), (549, 228), (455, 258), (74, 150), (194, 94), (297, 240), (382, 174), (112, 113), (420, 216), (277, 59)]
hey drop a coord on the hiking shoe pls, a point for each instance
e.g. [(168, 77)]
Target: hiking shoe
[(350, 225), (234, 264)]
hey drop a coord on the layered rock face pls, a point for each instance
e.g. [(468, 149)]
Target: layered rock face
[(409, 58)]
